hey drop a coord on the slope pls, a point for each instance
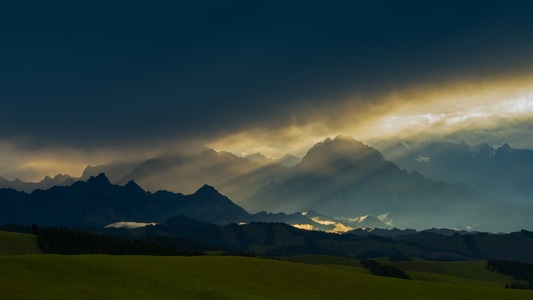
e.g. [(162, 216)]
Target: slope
[(344, 177), (504, 172), (46, 183), (185, 171), (136, 277), (14, 243), (97, 202)]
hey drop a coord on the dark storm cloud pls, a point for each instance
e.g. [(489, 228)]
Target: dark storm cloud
[(126, 72)]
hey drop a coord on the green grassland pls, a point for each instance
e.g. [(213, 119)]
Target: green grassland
[(324, 260), (229, 277), (213, 277), (473, 272), (18, 243), (455, 272)]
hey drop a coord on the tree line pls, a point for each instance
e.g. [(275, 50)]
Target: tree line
[(63, 240), (383, 270), (519, 270)]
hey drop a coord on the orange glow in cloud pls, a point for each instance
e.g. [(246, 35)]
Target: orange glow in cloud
[(416, 112), (430, 111), (455, 108)]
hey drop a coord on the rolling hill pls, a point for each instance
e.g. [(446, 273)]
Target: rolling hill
[(210, 277), (15, 243)]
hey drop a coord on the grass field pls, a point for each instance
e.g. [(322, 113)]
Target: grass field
[(12, 243), (227, 277), (469, 272), (213, 277), (460, 272)]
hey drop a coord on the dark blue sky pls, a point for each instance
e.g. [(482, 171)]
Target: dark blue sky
[(89, 74)]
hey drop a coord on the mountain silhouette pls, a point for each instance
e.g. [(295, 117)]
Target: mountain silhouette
[(345, 178), (503, 172), (289, 160), (184, 172), (98, 202), (46, 183), (433, 185)]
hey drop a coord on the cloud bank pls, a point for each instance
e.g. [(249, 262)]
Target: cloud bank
[(89, 83)]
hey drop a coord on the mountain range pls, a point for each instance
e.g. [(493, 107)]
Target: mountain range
[(98, 202), (503, 172), (237, 177), (341, 178), (46, 183)]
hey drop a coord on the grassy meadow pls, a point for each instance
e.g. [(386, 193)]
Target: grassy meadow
[(471, 272), (18, 243), (49, 276), (216, 277)]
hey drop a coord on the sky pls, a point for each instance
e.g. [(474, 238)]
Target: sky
[(89, 82)]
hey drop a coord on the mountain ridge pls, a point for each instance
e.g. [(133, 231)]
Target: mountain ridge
[(46, 183), (501, 171), (340, 177), (343, 177), (98, 202)]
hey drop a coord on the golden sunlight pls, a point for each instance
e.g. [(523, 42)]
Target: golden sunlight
[(452, 108), (416, 111)]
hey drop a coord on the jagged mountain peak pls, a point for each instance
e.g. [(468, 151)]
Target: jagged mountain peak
[(207, 190), (133, 186), (343, 145), (505, 146), (289, 160), (342, 148), (504, 149), (258, 157), (100, 180), (99, 202), (482, 151)]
